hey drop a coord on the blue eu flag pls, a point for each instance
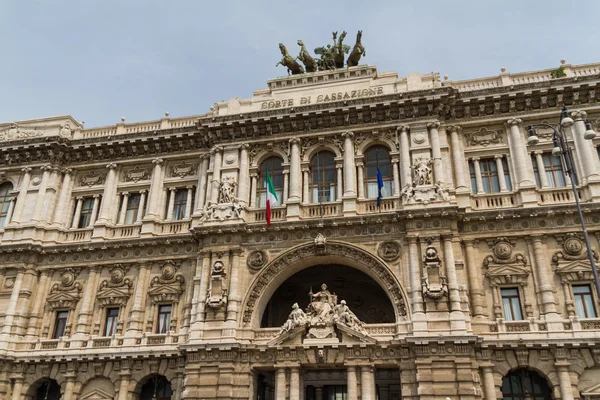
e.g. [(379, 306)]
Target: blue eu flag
[(379, 187)]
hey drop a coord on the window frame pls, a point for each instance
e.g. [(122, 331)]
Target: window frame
[(554, 175), (57, 323), (85, 213), (583, 302), (5, 198), (321, 171), (385, 166), (159, 321), (511, 299), (110, 330), (133, 208), (276, 173)]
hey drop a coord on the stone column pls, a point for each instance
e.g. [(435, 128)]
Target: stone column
[(188, 203), (286, 186), (253, 189), (295, 184), (518, 150), (49, 209), (541, 169), (196, 286), (110, 193), (217, 154), (475, 281), (500, 169), (63, 198), (234, 298), (69, 386), (140, 212), (436, 152), (349, 166), (124, 384), (367, 383), (155, 193), (564, 379), (585, 148), (243, 180), (11, 309), (17, 388), (396, 175), (352, 383), (457, 157), (361, 179), (489, 386), (11, 207), (41, 197), (319, 393), (87, 304), (137, 308), (340, 192), (405, 161), (280, 383), (294, 383), (124, 207), (38, 305), (454, 295), (94, 210), (478, 179), (204, 278), (545, 284), (415, 276), (22, 196), (202, 183), (171, 206), (75, 222), (305, 194)]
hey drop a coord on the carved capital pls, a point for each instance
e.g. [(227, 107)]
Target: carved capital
[(47, 168), (348, 135), (514, 121), (96, 196), (204, 156), (497, 156), (578, 115), (125, 193), (295, 141), (173, 189), (26, 170), (403, 128), (216, 149), (538, 152), (158, 161), (67, 171), (453, 128), (475, 158), (244, 146), (433, 125), (189, 187), (111, 166)]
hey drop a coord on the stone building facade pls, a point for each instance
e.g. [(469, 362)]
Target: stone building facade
[(432, 252)]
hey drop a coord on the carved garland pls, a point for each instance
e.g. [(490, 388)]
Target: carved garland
[(311, 250)]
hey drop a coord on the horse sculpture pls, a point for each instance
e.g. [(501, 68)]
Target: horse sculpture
[(292, 65), (339, 50), (357, 51), (306, 58)]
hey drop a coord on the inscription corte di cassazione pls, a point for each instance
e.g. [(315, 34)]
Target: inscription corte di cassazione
[(326, 98)]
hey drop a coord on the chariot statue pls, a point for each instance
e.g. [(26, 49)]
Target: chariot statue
[(294, 68)]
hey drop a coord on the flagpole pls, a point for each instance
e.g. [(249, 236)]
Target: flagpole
[(377, 176)]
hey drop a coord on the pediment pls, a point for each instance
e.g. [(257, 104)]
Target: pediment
[(63, 300), (290, 338), (97, 394), (114, 296), (350, 335), (503, 270), (574, 271), (594, 389), (166, 292)]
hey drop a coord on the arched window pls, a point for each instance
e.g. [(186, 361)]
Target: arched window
[(5, 197), (323, 177), (48, 390), (378, 157), (156, 388), (272, 165), (525, 384)]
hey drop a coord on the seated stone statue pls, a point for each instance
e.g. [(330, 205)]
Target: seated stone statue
[(296, 318), (344, 316)]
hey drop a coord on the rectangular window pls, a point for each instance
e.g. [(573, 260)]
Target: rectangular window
[(112, 318), (489, 175), (60, 324), (553, 170), (164, 318), (511, 304), (85, 217), (133, 205), (584, 301)]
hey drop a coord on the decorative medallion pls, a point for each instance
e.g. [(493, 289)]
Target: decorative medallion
[(389, 251), (419, 138), (92, 178), (257, 259), (9, 283), (136, 174), (116, 290), (183, 169), (36, 180), (483, 137), (67, 293)]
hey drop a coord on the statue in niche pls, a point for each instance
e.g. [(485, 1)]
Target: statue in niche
[(321, 303), (422, 172), (227, 190)]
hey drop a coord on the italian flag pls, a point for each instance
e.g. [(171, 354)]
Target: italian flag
[(271, 198)]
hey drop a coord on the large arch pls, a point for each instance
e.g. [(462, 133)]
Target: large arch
[(310, 254)]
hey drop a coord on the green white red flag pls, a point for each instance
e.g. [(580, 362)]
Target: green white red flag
[(272, 200)]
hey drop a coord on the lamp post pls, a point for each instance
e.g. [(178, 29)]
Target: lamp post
[(561, 149)]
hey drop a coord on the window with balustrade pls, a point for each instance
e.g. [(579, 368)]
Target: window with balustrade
[(584, 301), (490, 179), (85, 212), (378, 158), (133, 208), (323, 182), (552, 175), (5, 199), (511, 303), (178, 204), (273, 167), (112, 319), (164, 318), (60, 324)]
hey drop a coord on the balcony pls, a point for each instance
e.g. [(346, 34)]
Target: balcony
[(260, 214), (370, 206), (126, 231), (77, 235), (561, 195), (174, 227), (492, 201), (322, 210)]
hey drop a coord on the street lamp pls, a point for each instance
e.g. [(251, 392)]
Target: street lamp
[(561, 149)]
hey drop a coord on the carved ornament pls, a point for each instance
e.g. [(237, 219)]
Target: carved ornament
[(389, 250), (67, 293), (505, 267), (168, 286), (183, 169), (92, 178), (116, 290), (14, 132), (483, 137), (433, 283), (136, 174), (257, 259)]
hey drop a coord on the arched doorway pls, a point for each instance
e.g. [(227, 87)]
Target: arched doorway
[(157, 387), (47, 389), (524, 384), (363, 295)]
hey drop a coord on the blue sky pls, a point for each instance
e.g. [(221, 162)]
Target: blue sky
[(100, 60)]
